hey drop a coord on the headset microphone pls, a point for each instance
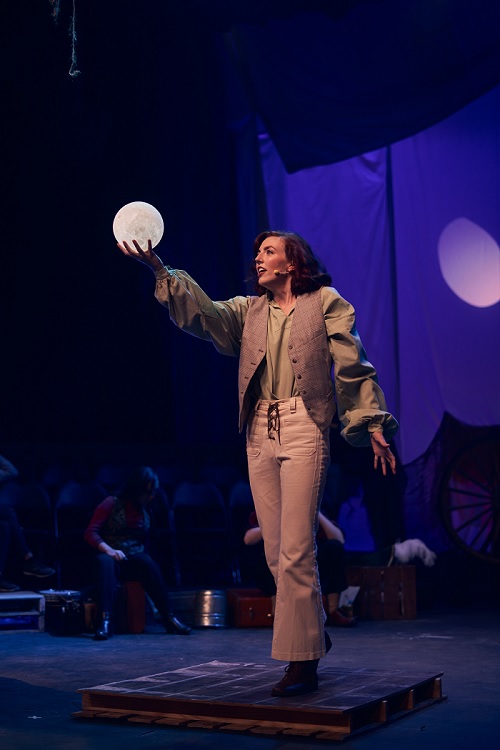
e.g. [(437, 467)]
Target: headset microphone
[(281, 273)]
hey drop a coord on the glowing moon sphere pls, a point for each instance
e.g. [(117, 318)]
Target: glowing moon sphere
[(138, 221)]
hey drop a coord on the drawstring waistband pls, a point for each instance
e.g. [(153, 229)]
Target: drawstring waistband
[(274, 416)]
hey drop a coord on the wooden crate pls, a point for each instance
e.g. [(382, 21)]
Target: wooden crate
[(22, 610), (130, 608), (249, 608), (385, 593)]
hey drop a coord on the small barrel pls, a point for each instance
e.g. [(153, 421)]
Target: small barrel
[(210, 609)]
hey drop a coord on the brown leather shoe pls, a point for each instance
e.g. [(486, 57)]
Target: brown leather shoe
[(300, 678)]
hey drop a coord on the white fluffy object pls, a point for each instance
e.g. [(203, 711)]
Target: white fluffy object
[(412, 548)]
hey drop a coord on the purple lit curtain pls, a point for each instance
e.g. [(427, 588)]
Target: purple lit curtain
[(449, 348), (382, 223)]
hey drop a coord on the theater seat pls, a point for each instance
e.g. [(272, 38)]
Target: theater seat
[(75, 504), (201, 535)]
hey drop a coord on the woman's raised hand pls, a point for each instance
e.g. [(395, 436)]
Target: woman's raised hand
[(146, 256)]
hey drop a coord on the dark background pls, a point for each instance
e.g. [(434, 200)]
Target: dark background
[(89, 355)]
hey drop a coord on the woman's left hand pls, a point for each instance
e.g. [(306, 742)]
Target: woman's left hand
[(382, 452)]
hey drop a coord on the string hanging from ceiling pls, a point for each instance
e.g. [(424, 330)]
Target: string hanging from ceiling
[(56, 7)]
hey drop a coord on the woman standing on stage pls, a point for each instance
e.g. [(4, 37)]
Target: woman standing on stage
[(286, 338)]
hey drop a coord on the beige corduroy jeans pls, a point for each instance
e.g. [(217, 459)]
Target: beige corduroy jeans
[(288, 458)]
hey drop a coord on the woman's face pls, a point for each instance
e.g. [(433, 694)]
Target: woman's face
[(271, 263), (147, 497)]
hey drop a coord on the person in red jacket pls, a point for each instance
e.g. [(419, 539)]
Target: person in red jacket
[(118, 531)]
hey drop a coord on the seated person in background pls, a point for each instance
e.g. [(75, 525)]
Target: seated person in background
[(400, 552), (12, 538), (118, 531), (331, 565)]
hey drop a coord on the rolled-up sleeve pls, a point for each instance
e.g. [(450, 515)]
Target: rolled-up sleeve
[(191, 310), (360, 400)]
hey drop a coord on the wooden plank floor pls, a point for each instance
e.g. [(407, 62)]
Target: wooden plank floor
[(235, 697)]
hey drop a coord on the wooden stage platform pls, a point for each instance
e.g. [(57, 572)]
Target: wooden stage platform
[(235, 697)]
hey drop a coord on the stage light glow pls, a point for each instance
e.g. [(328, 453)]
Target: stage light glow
[(138, 221), (469, 259)]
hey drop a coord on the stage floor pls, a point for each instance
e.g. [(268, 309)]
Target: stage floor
[(42, 676), (235, 697)]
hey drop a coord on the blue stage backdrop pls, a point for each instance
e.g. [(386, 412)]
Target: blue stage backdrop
[(411, 236)]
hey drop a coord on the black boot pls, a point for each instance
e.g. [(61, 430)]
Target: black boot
[(104, 631), (175, 626), (300, 677)]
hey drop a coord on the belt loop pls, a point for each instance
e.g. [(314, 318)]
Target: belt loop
[(293, 405)]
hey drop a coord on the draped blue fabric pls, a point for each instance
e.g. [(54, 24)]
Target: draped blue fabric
[(356, 76), (376, 221), (449, 349)]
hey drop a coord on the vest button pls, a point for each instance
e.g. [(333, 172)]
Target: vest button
[(299, 376), (294, 361), (304, 392)]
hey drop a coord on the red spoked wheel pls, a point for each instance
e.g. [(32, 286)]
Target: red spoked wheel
[(469, 499)]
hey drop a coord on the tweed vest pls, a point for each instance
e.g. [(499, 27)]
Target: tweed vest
[(307, 349)]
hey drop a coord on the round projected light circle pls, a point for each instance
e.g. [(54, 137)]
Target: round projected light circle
[(138, 221), (469, 259)]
